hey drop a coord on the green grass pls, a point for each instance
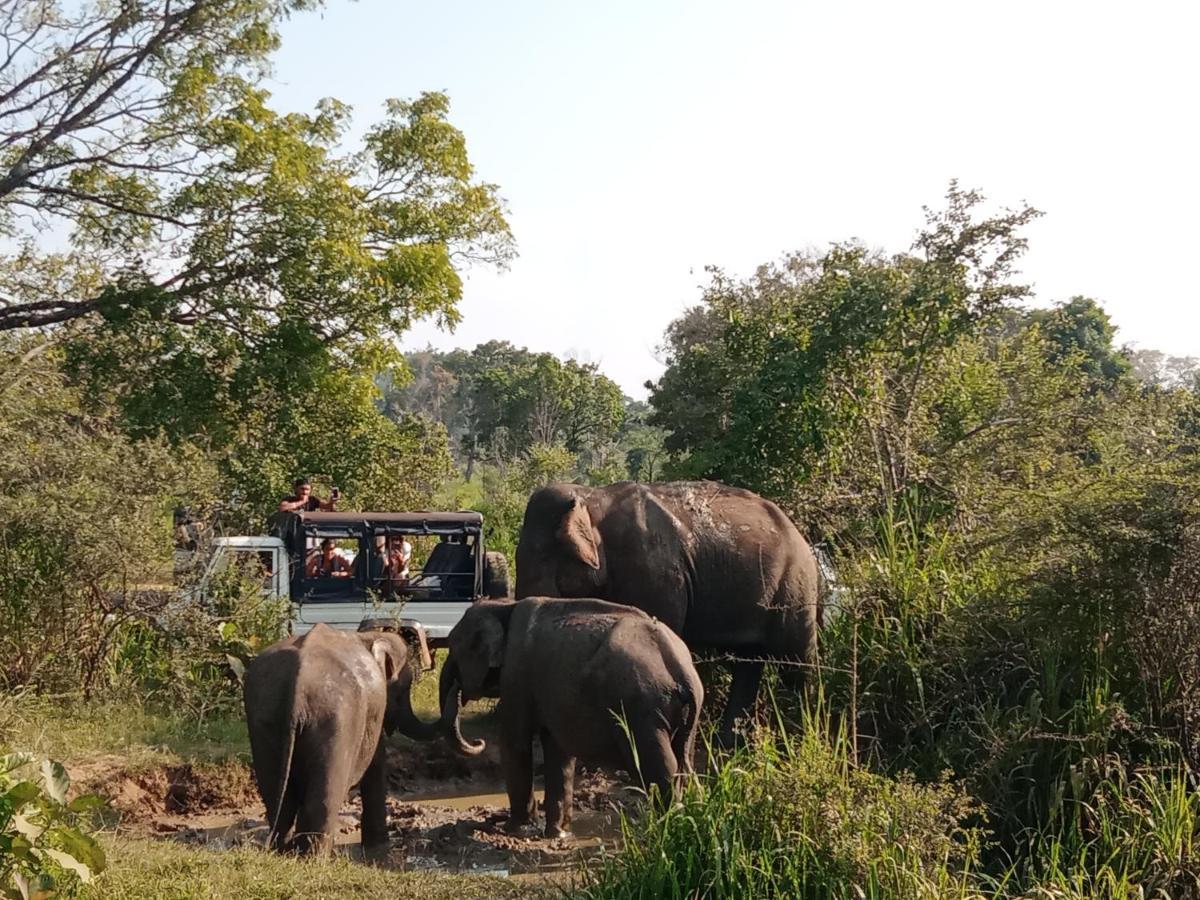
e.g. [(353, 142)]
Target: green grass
[(162, 870), (791, 816), (69, 730)]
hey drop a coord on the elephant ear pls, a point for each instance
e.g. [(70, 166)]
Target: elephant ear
[(575, 533), (493, 640), (387, 661)]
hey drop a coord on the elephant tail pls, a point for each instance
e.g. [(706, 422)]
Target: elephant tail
[(285, 775), (691, 695)]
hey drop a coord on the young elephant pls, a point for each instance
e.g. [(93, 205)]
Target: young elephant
[(316, 707), (567, 671)]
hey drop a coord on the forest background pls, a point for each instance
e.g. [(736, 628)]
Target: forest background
[(200, 299)]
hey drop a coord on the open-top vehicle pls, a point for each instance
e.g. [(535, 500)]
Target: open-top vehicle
[(366, 591)]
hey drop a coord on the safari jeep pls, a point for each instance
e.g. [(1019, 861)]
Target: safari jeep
[(425, 605)]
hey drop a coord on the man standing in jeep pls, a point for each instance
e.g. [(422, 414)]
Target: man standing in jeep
[(304, 500)]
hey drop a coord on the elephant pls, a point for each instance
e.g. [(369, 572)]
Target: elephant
[(317, 706), (576, 673), (724, 568)]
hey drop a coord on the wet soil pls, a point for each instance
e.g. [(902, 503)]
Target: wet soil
[(445, 812)]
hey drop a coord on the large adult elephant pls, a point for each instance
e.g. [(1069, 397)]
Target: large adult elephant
[(723, 567), (317, 706)]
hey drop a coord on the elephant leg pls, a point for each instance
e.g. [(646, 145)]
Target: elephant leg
[(326, 785), (269, 747), (516, 754), (560, 786), (793, 674), (743, 691), (657, 759), (285, 815), (373, 791)]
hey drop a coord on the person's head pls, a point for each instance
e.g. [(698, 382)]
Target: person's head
[(301, 488), (327, 546), (380, 543)]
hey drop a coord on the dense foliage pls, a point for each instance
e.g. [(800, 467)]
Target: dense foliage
[(1012, 511), (499, 401), (45, 849), (200, 299)]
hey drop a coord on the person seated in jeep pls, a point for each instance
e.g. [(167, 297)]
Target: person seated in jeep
[(398, 559), (304, 500), (326, 563)]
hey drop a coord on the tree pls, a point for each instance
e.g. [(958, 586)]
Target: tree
[(1158, 369), (1080, 328), (84, 519), (140, 129), (216, 250), (641, 441), (507, 400), (778, 376)]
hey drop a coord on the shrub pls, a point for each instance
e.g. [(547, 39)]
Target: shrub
[(85, 526), (44, 849), (793, 816), (191, 654)]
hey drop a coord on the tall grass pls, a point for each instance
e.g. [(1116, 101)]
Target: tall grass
[(792, 815)]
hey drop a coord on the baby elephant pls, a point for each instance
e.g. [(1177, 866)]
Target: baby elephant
[(316, 707), (569, 671)]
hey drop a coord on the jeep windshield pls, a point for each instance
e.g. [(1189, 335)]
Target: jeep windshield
[(357, 557)]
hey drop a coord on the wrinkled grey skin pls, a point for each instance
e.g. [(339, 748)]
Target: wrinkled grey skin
[(564, 670), (316, 708), (722, 567)]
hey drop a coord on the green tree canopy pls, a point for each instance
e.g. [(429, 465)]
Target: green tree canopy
[(770, 378), (502, 400), (1081, 329)]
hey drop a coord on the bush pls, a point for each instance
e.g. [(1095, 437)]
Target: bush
[(793, 816), (44, 849), (1137, 838), (191, 656), (85, 526)]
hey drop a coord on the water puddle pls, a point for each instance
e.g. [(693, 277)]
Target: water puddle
[(453, 831)]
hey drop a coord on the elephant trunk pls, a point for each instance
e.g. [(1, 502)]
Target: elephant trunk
[(406, 721), (450, 690)]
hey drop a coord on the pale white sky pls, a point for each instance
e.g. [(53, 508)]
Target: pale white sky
[(637, 142)]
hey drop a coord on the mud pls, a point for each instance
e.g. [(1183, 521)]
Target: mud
[(445, 813)]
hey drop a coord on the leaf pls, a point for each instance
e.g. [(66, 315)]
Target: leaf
[(87, 803), (24, 826), (80, 846), (227, 631), (20, 847), (239, 667), (12, 761), (21, 793), (57, 780), (70, 863)]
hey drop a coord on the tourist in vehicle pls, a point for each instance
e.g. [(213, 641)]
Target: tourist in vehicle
[(379, 567), (398, 559), (327, 563), (304, 500)]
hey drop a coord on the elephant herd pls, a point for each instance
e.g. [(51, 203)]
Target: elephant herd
[(616, 587)]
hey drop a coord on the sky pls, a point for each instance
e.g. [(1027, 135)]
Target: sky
[(637, 142)]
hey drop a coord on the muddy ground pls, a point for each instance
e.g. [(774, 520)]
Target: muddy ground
[(445, 812)]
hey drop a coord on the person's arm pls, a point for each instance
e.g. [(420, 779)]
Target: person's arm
[(290, 505), (310, 565)]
